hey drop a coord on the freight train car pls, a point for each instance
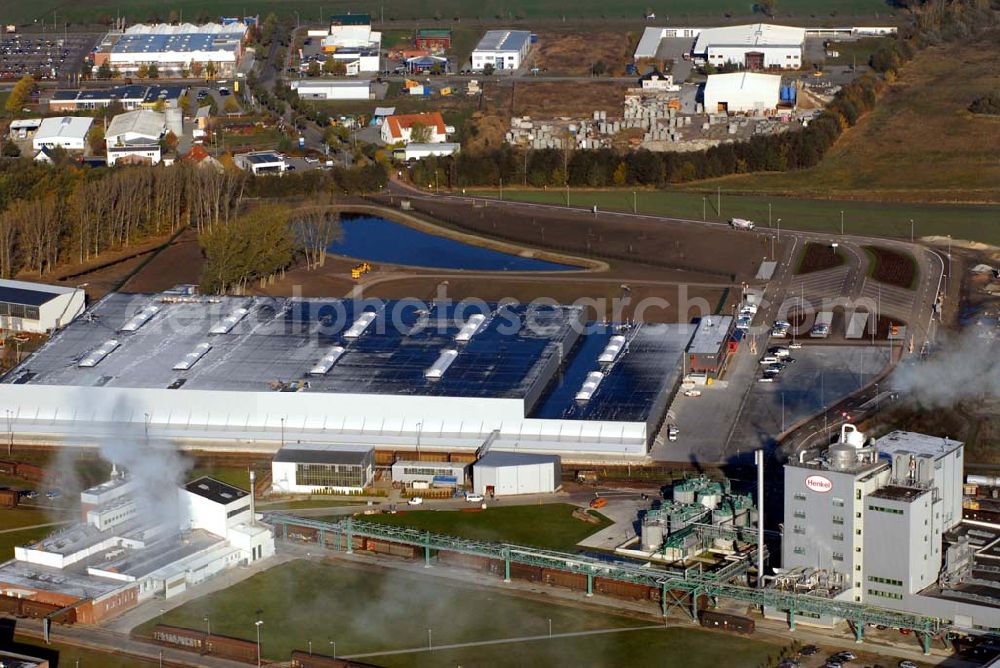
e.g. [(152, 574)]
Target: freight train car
[(176, 636), (232, 648), (726, 622)]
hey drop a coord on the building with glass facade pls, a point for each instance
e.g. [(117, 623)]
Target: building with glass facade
[(332, 469)]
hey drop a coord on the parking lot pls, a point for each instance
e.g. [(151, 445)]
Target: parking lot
[(46, 57)]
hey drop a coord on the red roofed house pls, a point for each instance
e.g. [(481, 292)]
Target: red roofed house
[(200, 157), (397, 129)]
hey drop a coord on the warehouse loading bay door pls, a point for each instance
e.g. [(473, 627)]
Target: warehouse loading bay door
[(753, 60)]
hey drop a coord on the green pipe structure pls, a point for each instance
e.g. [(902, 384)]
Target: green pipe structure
[(675, 586)]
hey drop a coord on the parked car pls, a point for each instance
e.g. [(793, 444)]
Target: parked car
[(474, 498), (809, 650), (415, 501), (769, 359), (767, 379), (906, 663), (672, 432), (692, 393), (53, 494), (794, 345), (779, 351)]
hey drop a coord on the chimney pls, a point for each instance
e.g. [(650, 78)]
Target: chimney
[(253, 492)]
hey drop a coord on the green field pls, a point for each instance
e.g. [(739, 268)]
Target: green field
[(365, 611), (77, 657), (977, 222), (446, 10), (550, 526)]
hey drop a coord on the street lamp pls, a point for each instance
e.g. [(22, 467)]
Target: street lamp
[(841, 222), (430, 644), (779, 229), (208, 625), (334, 648), (911, 230), (10, 431), (282, 432), (257, 624)]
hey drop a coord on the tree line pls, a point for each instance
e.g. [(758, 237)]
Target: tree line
[(54, 215)]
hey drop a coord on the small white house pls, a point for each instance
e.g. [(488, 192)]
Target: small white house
[(38, 308), (333, 89), (261, 162), (503, 49), (508, 473), (68, 132)]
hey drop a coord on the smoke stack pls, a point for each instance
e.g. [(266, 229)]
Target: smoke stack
[(253, 512), (759, 460)]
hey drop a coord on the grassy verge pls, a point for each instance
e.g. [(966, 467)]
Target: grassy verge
[(819, 257), (69, 656), (308, 503), (977, 222), (365, 611), (8, 541), (549, 526)]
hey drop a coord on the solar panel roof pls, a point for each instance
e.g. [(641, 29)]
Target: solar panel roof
[(29, 294)]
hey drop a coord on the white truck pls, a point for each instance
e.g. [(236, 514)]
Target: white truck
[(741, 224)]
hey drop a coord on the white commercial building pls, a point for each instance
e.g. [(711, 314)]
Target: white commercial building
[(503, 49), (741, 92), (172, 48), (757, 46), (261, 162), (38, 308), (68, 132), (323, 468), (428, 474), (508, 473), (352, 40), (333, 89)]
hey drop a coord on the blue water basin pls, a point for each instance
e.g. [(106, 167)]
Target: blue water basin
[(380, 240)]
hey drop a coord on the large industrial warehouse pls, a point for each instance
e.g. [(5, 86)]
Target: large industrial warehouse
[(742, 92), (250, 372), (757, 46), (172, 48)]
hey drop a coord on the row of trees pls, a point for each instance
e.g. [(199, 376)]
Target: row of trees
[(72, 215)]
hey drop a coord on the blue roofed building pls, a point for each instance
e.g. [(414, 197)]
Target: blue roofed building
[(172, 48)]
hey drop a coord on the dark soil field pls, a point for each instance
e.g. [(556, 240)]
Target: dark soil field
[(551, 99), (891, 267), (575, 53), (819, 257)]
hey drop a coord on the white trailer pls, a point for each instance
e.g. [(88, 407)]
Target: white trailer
[(856, 325), (741, 224)]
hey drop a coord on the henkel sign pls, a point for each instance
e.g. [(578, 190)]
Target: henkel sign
[(819, 483)]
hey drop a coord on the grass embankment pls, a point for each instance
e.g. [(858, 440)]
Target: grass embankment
[(69, 656), (365, 611), (550, 526), (891, 267), (819, 257), (919, 144), (978, 222)]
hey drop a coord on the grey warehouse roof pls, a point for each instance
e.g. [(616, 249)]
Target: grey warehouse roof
[(710, 335), (495, 458), (325, 454), (503, 40)]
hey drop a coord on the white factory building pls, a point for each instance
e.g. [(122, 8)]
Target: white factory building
[(351, 39), (503, 49), (172, 48), (133, 545), (333, 89), (423, 474), (323, 469), (38, 308), (742, 92), (334, 371), (509, 473), (755, 46), (67, 132), (415, 151)]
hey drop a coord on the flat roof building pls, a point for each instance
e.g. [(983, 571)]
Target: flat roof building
[(347, 371), (429, 474), (172, 48), (503, 49), (756, 46), (37, 307), (134, 137), (261, 162), (130, 97), (421, 151), (508, 473), (742, 92), (323, 468), (67, 132), (333, 89), (710, 347)]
